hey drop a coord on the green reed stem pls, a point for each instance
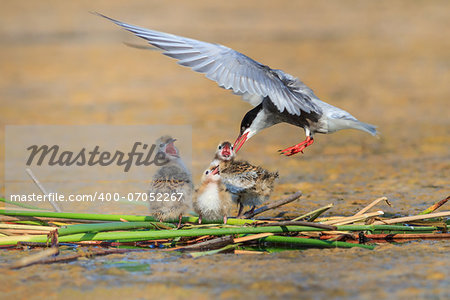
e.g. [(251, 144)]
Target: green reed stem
[(306, 242)]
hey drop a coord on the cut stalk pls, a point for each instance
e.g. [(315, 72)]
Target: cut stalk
[(383, 227), (19, 204), (435, 206), (299, 223), (375, 202), (211, 252), (218, 242), (347, 220), (414, 218), (73, 229), (315, 213), (130, 236), (34, 258), (26, 227), (12, 232), (41, 187), (106, 217), (247, 252), (274, 205), (162, 234), (74, 256), (251, 237), (409, 236), (306, 242)]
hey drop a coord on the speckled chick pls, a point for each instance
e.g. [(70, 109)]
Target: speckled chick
[(249, 185), (212, 202), (172, 182), (224, 152)]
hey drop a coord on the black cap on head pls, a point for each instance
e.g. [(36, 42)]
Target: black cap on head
[(249, 117)]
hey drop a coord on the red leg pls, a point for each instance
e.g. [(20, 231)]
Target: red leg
[(240, 210), (298, 148), (179, 221)]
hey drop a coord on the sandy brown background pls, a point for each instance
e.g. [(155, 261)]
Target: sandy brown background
[(386, 62)]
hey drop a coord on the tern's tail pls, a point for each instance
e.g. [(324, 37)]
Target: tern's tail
[(339, 124), (365, 127)]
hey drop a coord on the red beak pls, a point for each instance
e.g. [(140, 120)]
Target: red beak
[(240, 142), (215, 171)]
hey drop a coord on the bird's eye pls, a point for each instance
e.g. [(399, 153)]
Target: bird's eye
[(207, 172), (220, 147), (161, 145), (232, 147)]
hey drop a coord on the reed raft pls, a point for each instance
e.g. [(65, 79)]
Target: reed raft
[(30, 228)]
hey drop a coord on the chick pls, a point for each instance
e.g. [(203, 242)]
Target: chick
[(170, 194), (211, 201), (249, 185), (224, 152)]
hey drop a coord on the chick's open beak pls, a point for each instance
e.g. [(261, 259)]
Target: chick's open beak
[(226, 150), (215, 170), (170, 148)]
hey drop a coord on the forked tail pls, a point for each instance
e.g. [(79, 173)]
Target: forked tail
[(366, 127), (339, 124)]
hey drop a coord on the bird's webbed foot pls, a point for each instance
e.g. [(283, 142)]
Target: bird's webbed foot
[(297, 148)]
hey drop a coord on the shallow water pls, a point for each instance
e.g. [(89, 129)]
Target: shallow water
[(385, 62), (390, 271)]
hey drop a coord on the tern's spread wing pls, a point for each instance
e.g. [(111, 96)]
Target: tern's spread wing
[(232, 70)]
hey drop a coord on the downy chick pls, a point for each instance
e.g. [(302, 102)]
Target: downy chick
[(249, 185), (224, 152), (212, 202), (172, 183)]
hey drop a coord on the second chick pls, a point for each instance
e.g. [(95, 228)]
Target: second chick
[(212, 202)]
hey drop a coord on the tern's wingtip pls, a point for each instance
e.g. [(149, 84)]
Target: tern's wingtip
[(96, 13), (104, 16)]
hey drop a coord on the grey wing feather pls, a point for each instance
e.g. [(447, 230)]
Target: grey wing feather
[(231, 70), (238, 183), (233, 188)]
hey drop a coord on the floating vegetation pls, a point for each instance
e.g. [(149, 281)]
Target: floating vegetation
[(89, 235)]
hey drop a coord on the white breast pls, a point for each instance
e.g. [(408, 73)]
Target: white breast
[(209, 200)]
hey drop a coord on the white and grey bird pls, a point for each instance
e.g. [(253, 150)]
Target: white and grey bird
[(170, 194), (277, 97), (212, 202)]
